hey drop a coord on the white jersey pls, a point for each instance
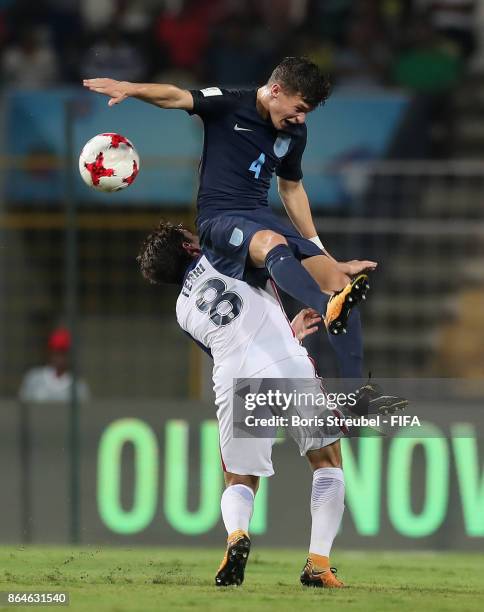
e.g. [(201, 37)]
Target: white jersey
[(245, 328), (43, 384)]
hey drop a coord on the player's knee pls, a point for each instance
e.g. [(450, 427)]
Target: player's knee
[(329, 456), (326, 462), (249, 481), (262, 243)]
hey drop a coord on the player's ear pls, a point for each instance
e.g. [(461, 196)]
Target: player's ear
[(191, 248), (275, 90)]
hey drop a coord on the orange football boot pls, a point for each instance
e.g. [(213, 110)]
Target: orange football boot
[(320, 576), (232, 568), (340, 304)]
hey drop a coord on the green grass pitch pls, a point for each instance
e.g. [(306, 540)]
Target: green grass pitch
[(148, 579)]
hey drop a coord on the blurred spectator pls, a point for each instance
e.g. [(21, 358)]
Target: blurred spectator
[(319, 50), (111, 55), (25, 13), (231, 42), (364, 59), (3, 23), (328, 18), (134, 19), (428, 68), (132, 16), (31, 62), (454, 20), (235, 58), (53, 382), (426, 65), (97, 14), (282, 15), (64, 20), (66, 33), (183, 36)]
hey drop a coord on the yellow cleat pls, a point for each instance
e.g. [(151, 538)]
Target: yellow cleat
[(232, 568), (320, 577), (340, 304)]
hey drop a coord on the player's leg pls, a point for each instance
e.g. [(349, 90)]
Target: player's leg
[(305, 280), (323, 270), (237, 502), (324, 455), (244, 460), (327, 506), (237, 505), (235, 243), (341, 303), (348, 348), (271, 250)]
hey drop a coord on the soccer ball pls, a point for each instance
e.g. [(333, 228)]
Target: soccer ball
[(109, 162)]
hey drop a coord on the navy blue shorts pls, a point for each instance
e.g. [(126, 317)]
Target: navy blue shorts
[(225, 239)]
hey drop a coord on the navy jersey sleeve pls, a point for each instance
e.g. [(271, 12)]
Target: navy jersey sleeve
[(213, 101), (290, 167)]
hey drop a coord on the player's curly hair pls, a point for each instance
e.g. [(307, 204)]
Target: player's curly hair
[(162, 258), (299, 75)]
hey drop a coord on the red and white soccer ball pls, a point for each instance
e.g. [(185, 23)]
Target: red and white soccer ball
[(109, 162)]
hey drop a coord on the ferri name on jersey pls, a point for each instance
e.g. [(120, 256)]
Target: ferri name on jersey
[(194, 274)]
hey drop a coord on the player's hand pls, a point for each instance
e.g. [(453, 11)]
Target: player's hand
[(355, 266), (116, 90), (305, 323)]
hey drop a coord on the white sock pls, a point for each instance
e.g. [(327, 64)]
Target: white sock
[(327, 507), (237, 504)]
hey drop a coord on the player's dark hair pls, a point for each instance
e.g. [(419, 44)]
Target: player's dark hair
[(299, 75), (162, 258)]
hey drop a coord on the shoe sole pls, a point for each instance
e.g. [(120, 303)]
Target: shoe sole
[(317, 584), (359, 288), (390, 408), (233, 571)]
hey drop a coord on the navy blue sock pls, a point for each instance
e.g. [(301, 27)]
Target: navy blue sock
[(349, 347), (288, 273)]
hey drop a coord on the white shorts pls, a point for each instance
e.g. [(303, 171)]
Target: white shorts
[(252, 456)]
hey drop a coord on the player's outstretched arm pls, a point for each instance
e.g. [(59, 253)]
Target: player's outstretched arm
[(164, 96)]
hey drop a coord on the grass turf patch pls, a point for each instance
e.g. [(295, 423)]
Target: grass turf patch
[(146, 579)]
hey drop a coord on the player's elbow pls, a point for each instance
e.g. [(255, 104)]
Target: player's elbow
[(176, 98), (287, 188)]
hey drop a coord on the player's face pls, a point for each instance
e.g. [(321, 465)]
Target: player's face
[(286, 109), (59, 360)]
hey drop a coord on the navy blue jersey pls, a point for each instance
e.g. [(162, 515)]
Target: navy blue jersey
[(241, 152)]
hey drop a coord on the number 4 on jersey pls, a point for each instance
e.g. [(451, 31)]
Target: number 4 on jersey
[(256, 165)]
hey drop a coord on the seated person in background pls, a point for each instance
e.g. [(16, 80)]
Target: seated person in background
[(52, 382)]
